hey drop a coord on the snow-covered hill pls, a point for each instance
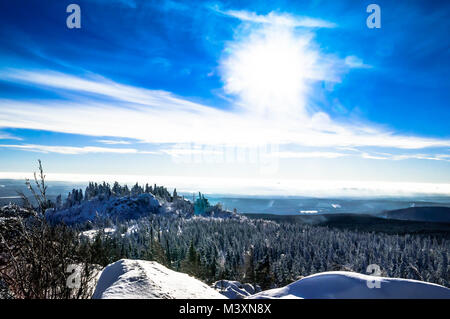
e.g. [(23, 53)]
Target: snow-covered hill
[(138, 279), (120, 208), (421, 214), (349, 285), (129, 208)]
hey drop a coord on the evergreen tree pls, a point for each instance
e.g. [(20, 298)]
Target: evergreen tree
[(249, 265), (264, 275)]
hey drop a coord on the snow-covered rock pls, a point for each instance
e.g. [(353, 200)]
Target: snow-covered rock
[(120, 208), (138, 279), (90, 234), (234, 289), (345, 285)]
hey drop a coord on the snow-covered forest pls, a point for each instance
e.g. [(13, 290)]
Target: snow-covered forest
[(272, 254)]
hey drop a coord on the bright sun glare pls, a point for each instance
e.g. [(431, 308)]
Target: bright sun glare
[(271, 71)]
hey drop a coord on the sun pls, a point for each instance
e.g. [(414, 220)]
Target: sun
[(271, 71)]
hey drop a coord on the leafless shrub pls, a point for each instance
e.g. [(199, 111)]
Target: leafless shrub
[(35, 255)]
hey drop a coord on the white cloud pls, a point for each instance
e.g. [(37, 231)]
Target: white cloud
[(320, 154), (433, 157), (375, 157), (97, 85), (7, 136), (114, 142), (356, 63), (160, 117), (182, 151), (399, 157), (72, 150), (278, 19)]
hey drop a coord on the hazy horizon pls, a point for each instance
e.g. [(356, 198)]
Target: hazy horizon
[(258, 187)]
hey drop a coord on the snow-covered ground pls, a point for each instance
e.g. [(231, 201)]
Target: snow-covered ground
[(234, 289), (90, 234), (138, 279), (345, 285)]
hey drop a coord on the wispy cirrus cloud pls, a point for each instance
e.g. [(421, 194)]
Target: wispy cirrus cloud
[(274, 18), (356, 63), (72, 150), (318, 154), (399, 157), (114, 142), (7, 136), (155, 116)]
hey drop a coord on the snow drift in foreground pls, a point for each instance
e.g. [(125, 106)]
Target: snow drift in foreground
[(234, 289), (139, 279), (347, 285)]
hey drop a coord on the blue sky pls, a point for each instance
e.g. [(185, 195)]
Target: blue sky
[(285, 92)]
